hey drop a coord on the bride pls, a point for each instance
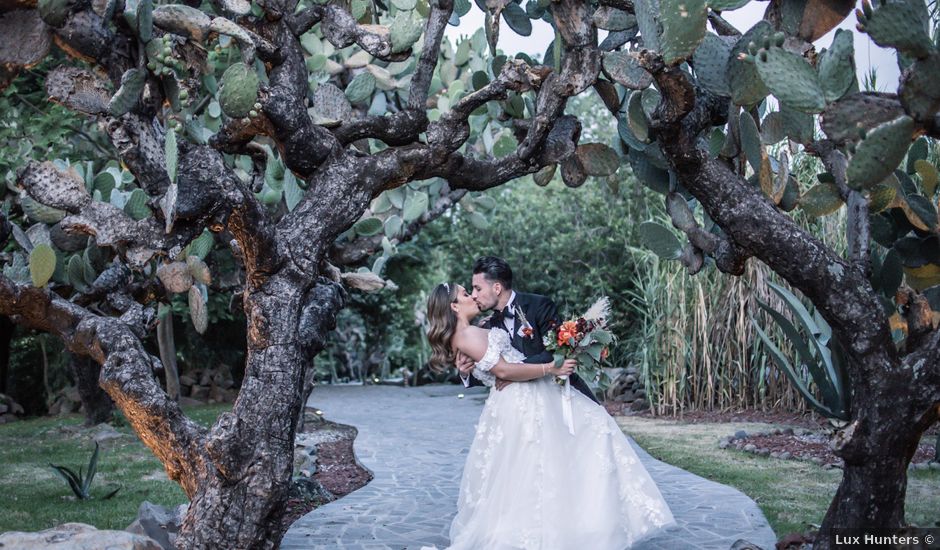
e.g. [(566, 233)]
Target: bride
[(528, 483)]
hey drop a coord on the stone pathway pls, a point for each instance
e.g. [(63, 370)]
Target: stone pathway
[(415, 441)]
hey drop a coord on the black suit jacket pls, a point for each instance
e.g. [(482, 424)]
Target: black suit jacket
[(542, 314)]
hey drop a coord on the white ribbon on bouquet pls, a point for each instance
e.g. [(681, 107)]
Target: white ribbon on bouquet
[(566, 405)]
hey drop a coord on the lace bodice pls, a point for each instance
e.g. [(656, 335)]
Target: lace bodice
[(498, 345)]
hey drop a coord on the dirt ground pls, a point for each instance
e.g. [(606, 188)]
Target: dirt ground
[(805, 446)]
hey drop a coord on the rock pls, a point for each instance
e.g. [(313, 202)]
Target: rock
[(186, 380), (641, 394), (7, 418), (159, 523), (921, 466), (9, 406), (750, 448), (935, 465), (200, 393), (724, 443), (787, 431), (740, 434), (189, 402), (763, 452), (77, 536), (640, 405), (305, 457), (156, 475), (310, 489), (223, 378), (775, 454), (105, 432), (816, 460), (785, 455), (311, 419), (628, 396), (629, 379), (221, 395), (742, 544), (206, 378)]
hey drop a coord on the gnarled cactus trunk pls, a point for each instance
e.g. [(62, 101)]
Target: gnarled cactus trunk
[(241, 502), (877, 448)]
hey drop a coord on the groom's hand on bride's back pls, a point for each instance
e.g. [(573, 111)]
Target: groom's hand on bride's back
[(501, 383), (464, 364)]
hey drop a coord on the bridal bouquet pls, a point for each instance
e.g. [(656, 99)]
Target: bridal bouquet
[(586, 339)]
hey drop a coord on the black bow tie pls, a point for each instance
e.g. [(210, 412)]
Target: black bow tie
[(500, 316)]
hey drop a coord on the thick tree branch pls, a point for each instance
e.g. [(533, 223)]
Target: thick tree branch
[(858, 229), (400, 128), (126, 374), (342, 30), (433, 32), (303, 144), (843, 294), (924, 362)]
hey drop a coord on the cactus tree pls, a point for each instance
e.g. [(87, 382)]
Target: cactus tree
[(718, 149), (304, 137)]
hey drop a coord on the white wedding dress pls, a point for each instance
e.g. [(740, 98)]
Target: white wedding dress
[(529, 484)]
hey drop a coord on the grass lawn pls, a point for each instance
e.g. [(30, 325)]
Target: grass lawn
[(36, 498), (792, 494)]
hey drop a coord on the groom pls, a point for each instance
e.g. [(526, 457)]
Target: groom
[(527, 318)]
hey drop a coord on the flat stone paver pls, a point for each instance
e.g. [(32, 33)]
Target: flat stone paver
[(415, 442)]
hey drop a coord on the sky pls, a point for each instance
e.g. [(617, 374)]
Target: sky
[(867, 53)]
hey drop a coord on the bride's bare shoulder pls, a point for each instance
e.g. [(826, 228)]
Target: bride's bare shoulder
[(471, 341), (471, 333)]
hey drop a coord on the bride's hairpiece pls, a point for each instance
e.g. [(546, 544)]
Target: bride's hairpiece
[(446, 287)]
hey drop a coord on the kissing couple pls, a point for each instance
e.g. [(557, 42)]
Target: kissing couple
[(529, 482)]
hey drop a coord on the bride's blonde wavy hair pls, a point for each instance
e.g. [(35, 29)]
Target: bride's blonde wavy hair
[(442, 322)]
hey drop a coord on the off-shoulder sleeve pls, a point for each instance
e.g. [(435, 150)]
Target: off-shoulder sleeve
[(490, 358), (493, 350)]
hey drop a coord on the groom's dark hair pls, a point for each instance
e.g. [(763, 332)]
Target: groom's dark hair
[(494, 269)]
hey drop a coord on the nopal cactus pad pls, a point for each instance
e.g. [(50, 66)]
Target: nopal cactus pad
[(239, 90), (683, 28), (747, 88), (880, 152), (791, 79)]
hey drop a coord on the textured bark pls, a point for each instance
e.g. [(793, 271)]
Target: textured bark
[(237, 473), (167, 346), (309, 384), (888, 418), (6, 337), (97, 406)]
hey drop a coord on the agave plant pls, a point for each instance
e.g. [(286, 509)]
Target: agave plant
[(80, 484), (820, 356)]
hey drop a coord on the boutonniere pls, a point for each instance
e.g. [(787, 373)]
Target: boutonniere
[(525, 329)]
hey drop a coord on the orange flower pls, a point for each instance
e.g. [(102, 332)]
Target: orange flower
[(604, 353), (568, 330)]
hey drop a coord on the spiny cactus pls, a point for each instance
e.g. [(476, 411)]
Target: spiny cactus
[(239, 90), (879, 152)]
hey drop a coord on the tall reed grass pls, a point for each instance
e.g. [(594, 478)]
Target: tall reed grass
[(692, 339)]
